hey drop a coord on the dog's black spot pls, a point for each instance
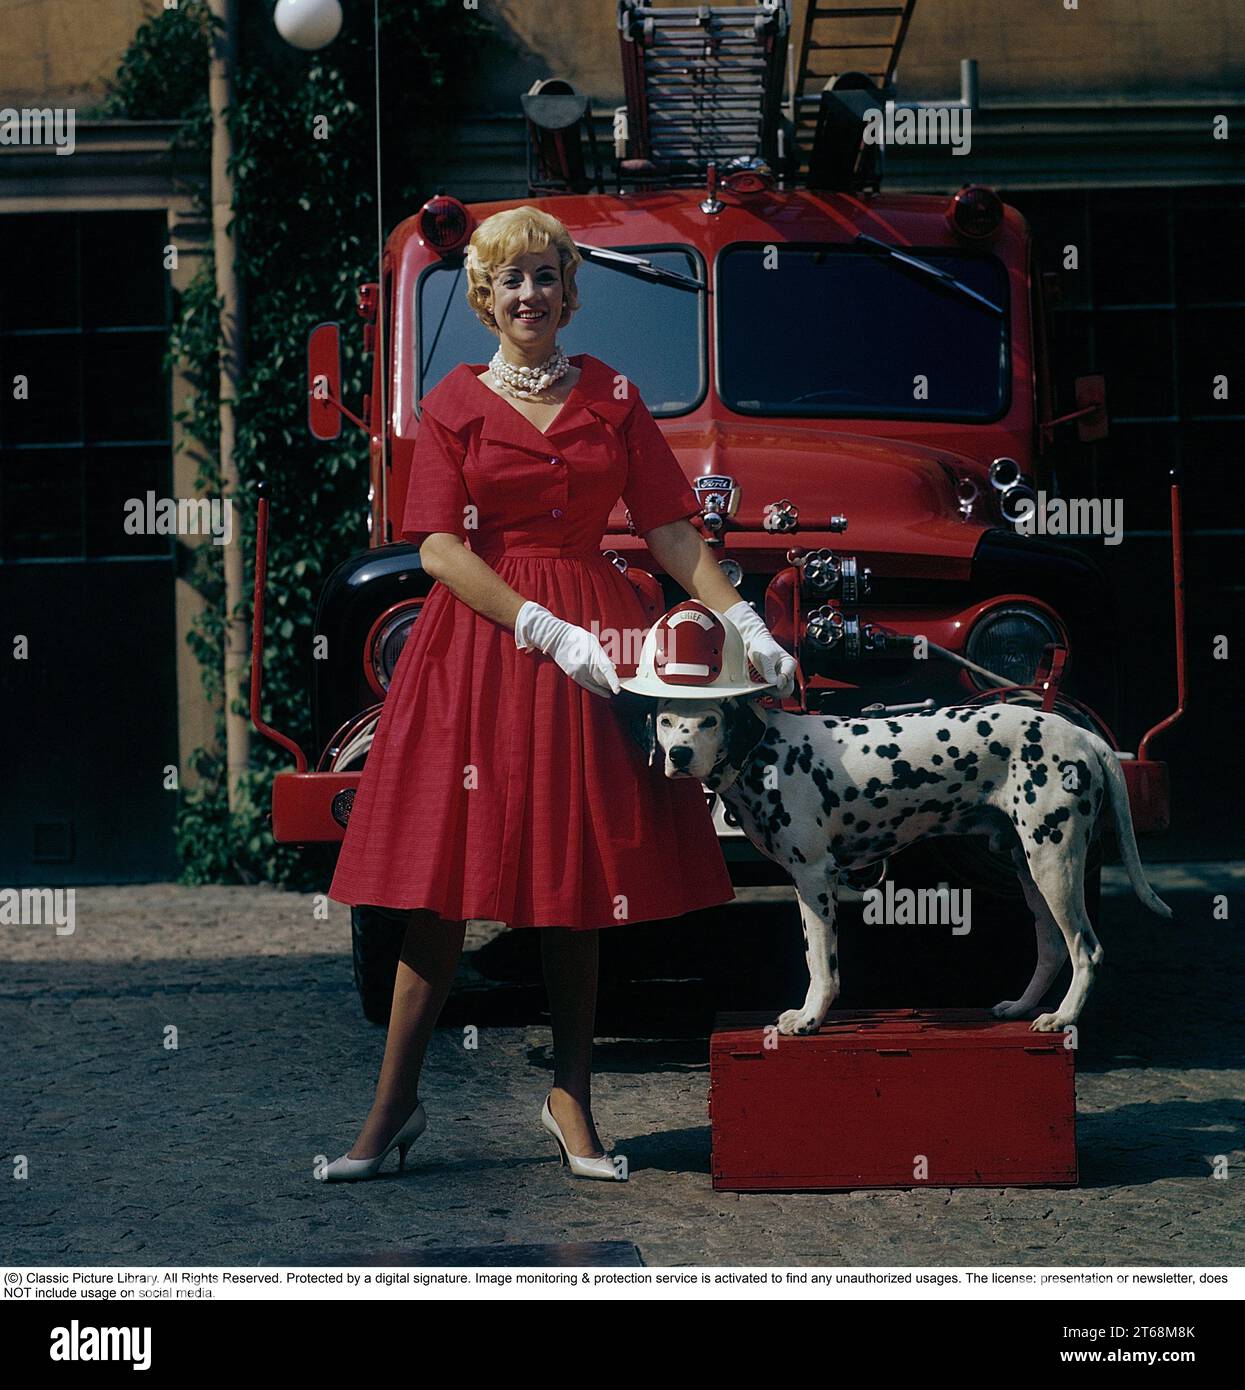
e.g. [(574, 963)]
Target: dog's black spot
[(904, 776), (894, 727), (935, 757), (999, 751), (850, 794), (987, 786), (953, 752), (821, 780), (1084, 807), (1034, 733), (1049, 828), (860, 729), (888, 750), (943, 735), (797, 855), (880, 801), (832, 960), (983, 728), (864, 747), (1038, 774), (849, 817)]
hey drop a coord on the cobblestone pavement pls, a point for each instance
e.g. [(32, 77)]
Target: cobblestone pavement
[(142, 1152)]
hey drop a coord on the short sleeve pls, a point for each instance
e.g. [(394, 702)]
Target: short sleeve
[(656, 492), (436, 496)]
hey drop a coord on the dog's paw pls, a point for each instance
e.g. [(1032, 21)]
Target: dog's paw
[(1050, 1023), (1009, 1008), (796, 1021)]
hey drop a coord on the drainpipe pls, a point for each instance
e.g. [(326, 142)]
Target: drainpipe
[(220, 89)]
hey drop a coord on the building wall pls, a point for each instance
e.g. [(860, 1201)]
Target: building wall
[(1026, 48), (62, 52)]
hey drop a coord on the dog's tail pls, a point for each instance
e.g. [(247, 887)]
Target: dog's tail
[(1117, 789)]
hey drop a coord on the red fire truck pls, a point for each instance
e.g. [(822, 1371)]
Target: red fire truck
[(856, 383)]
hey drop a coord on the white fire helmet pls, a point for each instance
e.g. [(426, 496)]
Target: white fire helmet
[(693, 653)]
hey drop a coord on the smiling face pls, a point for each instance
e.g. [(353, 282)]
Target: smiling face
[(691, 735), (528, 304)]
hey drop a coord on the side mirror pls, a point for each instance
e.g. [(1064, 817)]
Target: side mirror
[(324, 381), (1091, 398)]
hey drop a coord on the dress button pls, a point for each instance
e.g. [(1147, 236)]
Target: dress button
[(555, 460), (557, 511)]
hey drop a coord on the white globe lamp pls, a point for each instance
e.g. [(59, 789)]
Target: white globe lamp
[(308, 24)]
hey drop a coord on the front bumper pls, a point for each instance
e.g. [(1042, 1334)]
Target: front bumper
[(314, 807)]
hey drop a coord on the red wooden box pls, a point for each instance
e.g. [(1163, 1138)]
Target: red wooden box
[(988, 1103)]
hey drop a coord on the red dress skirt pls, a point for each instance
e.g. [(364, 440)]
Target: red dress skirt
[(497, 787)]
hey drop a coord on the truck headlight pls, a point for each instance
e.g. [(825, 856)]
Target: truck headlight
[(385, 643), (1009, 641)]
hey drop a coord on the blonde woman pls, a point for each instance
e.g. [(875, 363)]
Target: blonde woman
[(502, 782)]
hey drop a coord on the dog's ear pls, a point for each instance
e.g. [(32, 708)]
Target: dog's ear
[(639, 713), (744, 730)]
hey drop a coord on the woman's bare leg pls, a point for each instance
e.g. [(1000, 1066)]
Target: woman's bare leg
[(570, 960), (426, 966)]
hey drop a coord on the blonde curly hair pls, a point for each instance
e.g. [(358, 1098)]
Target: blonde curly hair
[(499, 239)]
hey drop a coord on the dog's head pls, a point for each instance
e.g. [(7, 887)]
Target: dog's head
[(706, 739)]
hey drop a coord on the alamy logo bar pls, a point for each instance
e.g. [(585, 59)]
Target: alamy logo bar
[(78, 1343)]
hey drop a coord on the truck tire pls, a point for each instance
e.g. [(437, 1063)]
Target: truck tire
[(377, 934)]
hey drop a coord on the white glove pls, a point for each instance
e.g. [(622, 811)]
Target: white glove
[(774, 663), (575, 649)]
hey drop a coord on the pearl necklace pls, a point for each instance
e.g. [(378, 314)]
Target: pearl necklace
[(528, 381)]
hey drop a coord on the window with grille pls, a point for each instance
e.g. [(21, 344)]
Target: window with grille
[(1157, 303), (84, 315)]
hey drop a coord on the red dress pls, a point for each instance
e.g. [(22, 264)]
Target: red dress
[(497, 787)]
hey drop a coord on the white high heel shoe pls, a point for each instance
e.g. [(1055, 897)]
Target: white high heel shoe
[(347, 1169), (602, 1167)]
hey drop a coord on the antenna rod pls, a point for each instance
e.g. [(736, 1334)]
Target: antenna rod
[(379, 345)]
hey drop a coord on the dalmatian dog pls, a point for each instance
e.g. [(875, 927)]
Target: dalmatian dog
[(819, 796)]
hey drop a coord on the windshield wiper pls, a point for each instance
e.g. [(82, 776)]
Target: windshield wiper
[(637, 265), (943, 277)]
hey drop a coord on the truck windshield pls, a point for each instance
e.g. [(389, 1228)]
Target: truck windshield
[(620, 320), (842, 330)]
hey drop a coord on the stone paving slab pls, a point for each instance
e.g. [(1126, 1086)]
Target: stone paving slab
[(173, 1068)]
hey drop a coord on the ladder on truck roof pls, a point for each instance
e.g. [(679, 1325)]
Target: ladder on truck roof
[(703, 85), (862, 39)]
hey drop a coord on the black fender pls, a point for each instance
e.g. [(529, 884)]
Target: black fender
[(355, 594), (1077, 589)]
